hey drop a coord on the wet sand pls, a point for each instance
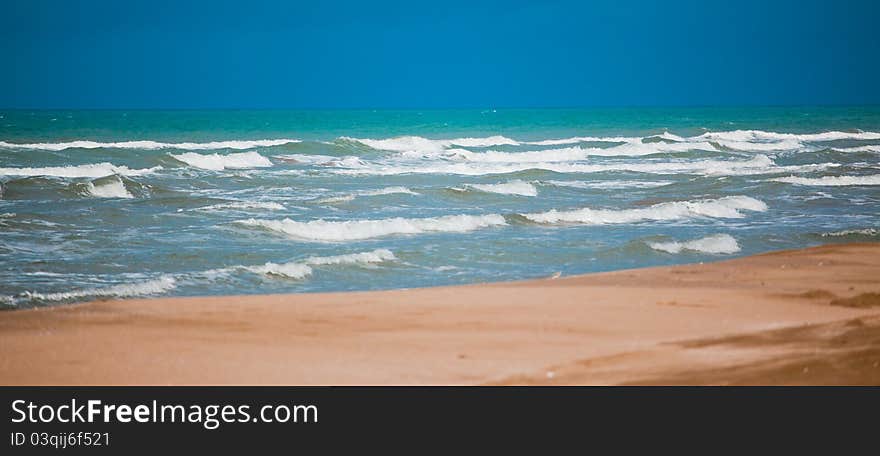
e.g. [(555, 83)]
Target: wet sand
[(808, 316)]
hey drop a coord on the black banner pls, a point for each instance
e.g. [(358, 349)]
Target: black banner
[(242, 419)]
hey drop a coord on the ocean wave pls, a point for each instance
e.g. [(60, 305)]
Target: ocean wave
[(537, 156), (785, 144), (832, 181), (718, 243), (743, 140), (763, 136), (288, 270), (301, 269), (418, 143), (152, 145), (673, 143), (217, 162), (868, 148), (375, 256), (855, 232), (514, 187), (354, 230), (388, 191), (336, 199), (150, 287), (306, 159), (639, 149), (243, 205), (615, 184), (378, 192), (580, 139), (760, 164), (113, 188), (91, 170), (726, 207), (573, 153)]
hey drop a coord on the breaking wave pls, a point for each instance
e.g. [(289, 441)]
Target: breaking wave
[(377, 192), (580, 139), (110, 189), (719, 243), (726, 207), (388, 191), (832, 181), (614, 184), (150, 287), (217, 162), (243, 205), (869, 148), (91, 170), (856, 232), (760, 164), (514, 187), (418, 143), (298, 270), (759, 136), (353, 230)]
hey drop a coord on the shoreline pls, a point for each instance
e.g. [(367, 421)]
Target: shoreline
[(808, 316)]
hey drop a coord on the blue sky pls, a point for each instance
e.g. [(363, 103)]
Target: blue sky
[(389, 54)]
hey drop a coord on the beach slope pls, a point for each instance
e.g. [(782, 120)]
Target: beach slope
[(808, 316)]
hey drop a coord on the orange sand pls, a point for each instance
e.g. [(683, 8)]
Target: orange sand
[(807, 316)]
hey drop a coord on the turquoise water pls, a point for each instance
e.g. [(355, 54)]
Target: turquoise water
[(157, 203)]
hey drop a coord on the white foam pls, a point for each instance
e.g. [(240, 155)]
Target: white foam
[(573, 153), (217, 162), (337, 231), (152, 145), (639, 149), (861, 232), (307, 159), (580, 139), (418, 143), (514, 187), (869, 148), (481, 142), (759, 136), (536, 156), (760, 164), (347, 162), (744, 140), (375, 256), (377, 192), (243, 205), (669, 136), (302, 269), (91, 170), (112, 189), (832, 181), (719, 243), (160, 285), (388, 191), (785, 144), (607, 184), (336, 199), (289, 270), (726, 207)]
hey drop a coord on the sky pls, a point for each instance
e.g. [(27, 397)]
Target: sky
[(441, 54)]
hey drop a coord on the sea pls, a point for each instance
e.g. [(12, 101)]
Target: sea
[(98, 204)]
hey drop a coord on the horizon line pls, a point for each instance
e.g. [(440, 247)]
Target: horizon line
[(438, 108)]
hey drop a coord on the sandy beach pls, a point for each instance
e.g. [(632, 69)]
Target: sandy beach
[(808, 316)]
